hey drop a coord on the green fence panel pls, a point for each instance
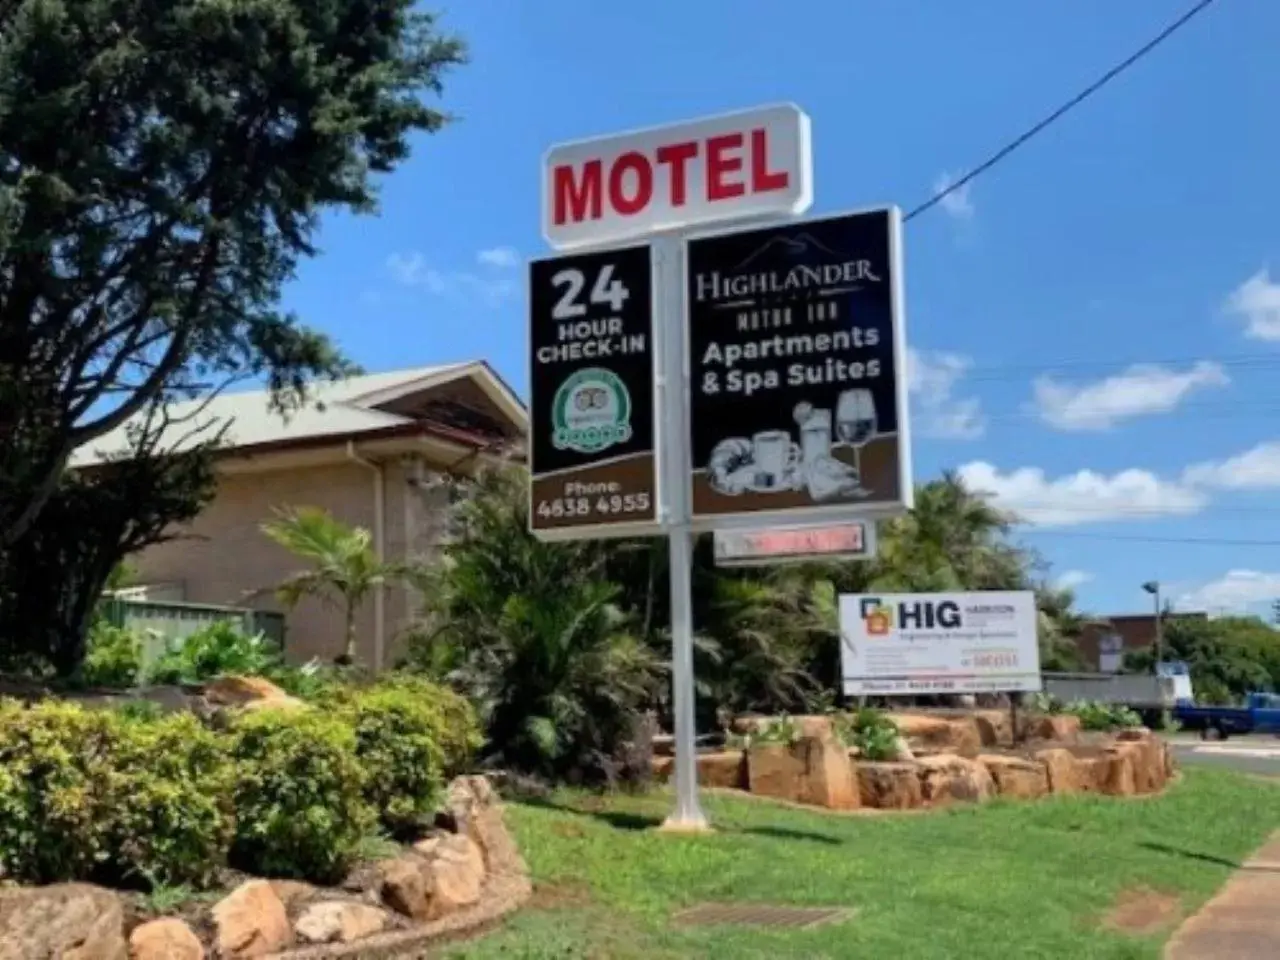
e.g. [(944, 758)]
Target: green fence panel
[(165, 625)]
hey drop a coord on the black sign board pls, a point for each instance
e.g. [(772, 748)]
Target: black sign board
[(593, 470), (797, 388)]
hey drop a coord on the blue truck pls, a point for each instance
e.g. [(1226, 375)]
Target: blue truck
[(1260, 714)]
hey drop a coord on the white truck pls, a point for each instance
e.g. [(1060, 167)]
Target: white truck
[(1136, 690)]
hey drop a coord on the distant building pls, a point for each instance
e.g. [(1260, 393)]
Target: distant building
[(1102, 646), (370, 450)]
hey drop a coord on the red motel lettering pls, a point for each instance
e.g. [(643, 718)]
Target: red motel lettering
[(736, 164)]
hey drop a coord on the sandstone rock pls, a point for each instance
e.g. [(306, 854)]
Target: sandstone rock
[(813, 770), (828, 779), (1133, 733), (1114, 772), (250, 922), (70, 921), (473, 808), (292, 892), (889, 786), (664, 768), (928, 730), (819, 727), (964, 738), (772, 771), (339, 922), (947, 777), (461, 850), (248, 693), (995, 728), (748, 723), (902, 750), (453, 882), (938, 735), (1061, 728), (405, 888), (1147, 760), (1015, 777), (727, 769), (168, 939), (1065, 772)]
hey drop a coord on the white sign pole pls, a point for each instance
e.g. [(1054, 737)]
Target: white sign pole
[(673, 384)]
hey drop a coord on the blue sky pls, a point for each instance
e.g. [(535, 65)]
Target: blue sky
[(1095, 322)]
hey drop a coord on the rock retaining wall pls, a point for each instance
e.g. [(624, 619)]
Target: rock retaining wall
[(952, 760), (466, 875)]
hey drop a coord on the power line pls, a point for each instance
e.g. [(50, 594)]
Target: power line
[(1198, 541), (1064, 109)]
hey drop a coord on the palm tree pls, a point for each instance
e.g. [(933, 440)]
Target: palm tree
[(344, 567), (534, 633), (952, 539)]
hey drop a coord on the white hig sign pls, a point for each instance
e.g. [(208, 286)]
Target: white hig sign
[(928, 643), (752, 163)]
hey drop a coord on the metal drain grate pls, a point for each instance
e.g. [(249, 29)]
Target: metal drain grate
[(760, 915)]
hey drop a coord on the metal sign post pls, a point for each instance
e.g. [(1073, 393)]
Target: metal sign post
[(593, 450), (673, 385)]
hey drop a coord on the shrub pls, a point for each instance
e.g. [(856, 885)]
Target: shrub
[(299, 795), (141, 711), (57, 789), (216, 650), (411, 734), (113, 657), (1102, 716), (781, 730), (456, 728), (173, 820), (89, 795), (397, 740), (311, 681), (874, 734)]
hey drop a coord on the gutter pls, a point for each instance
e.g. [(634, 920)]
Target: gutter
[(379, 550)]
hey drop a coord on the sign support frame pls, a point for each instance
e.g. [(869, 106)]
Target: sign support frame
[(672, 383)]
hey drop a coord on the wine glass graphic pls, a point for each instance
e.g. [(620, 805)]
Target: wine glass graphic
[(856, 421)]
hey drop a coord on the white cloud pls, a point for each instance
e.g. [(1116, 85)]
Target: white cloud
[(957, 203), (1255, 469), (1257, 302), (1081, 497), (505, 257), (493, 283), (1072, 579), (1234, 591), (936, 411), (1141, 390)]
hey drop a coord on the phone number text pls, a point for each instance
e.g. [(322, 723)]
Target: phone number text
[(613, 505)]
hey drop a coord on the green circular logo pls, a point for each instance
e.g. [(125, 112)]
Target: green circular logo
[(591, 412)]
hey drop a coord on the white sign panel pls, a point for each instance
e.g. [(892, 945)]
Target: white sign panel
[(842, 541), (911, 644), (751, 163)]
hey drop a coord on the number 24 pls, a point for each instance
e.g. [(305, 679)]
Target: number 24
[(605, 290)]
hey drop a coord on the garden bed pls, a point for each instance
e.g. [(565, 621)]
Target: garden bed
[(939, 761), (449, 881), (175, 831)]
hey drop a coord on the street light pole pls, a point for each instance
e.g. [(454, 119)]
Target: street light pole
[(1153, 587)]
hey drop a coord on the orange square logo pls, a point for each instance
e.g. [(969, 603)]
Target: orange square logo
[(878, 622)]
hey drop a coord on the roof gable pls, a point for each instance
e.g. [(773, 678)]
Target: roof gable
[(340, 409)]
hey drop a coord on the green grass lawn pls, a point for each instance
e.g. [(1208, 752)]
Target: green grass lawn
[(1000, 881)]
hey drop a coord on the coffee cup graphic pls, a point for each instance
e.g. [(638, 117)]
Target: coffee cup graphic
[(773, 452)]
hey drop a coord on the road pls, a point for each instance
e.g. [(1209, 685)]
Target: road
[(1258, 755)]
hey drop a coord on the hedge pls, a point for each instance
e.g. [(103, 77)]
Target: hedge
[(126, 797)]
